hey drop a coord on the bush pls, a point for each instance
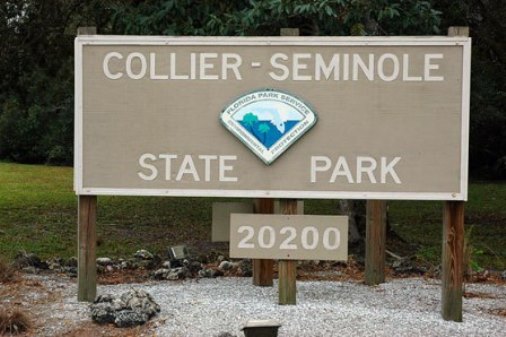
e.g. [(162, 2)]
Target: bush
[(7, 272), (14, 322)]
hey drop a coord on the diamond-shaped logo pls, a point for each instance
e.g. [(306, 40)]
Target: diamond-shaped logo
[(268, 121)]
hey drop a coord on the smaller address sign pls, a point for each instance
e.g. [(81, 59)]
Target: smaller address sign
[(289, 237)]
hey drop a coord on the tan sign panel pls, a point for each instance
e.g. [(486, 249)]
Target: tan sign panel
[(220, 226), (287, 117), (289, 237)]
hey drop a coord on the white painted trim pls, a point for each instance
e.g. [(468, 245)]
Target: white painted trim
[(78, 112), (466, 93), (272, 194), (273, 40), (465, 42)]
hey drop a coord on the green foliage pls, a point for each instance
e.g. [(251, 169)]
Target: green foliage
[(36, 86), (248, 17), (38, 214), (419, 223), (36, 55), (488, 88)]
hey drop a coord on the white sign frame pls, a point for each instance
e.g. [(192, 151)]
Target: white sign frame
[(80, 41)]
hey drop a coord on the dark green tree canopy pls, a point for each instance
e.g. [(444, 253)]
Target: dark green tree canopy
[(36, 55)]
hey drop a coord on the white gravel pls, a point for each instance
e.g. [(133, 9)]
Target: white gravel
[(401, 307), (208, 307)]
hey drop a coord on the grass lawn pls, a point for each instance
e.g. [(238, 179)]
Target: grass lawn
[(38, 212)]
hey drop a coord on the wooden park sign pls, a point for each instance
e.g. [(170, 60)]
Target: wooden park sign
[(377, 118), (278, 117)]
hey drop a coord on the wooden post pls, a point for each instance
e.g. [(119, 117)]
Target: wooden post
[(453, 244), (453, 251), (87, 242), (263, 273), (375, 238), (86, 30), (86, 233), (287, 269), (289, 32)]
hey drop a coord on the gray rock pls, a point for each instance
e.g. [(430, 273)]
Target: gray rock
[(103, 312), (503, 275), (166, 264), (177, 273), (134, 307), (225, 334), (30, 270), (143, 255), (192, 267), (220, 258), (126, 264), (55, 263), (195, 267), (143, 264), (106, 298), (71, 271), (407, 266), (161, 274), (205, 273), (245, 268), (72, 262), (129, 318), (104, 261), (226, 265), (141, 301), (24, 259), (174, 274), (210, 273)]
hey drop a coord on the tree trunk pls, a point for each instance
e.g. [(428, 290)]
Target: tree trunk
[(347, 207)]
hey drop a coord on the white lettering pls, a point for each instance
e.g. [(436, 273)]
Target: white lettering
[(143, 66), (224, 168), (193, 66), (168, 164), (105, 65), (207, 165), (367, 169), (346, 67), (204, 66), (152, 168), (362, 167), (152, 69), (297, 66), (428, 66), (389, 169), (231, 61), (314, 168), (187, 167), (341, 169), (331, 68), (368, 70), (381, 67), (285, 72), (405, 70), (173, 68)]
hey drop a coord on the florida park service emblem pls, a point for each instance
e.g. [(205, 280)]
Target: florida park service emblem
[(268, 122)]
